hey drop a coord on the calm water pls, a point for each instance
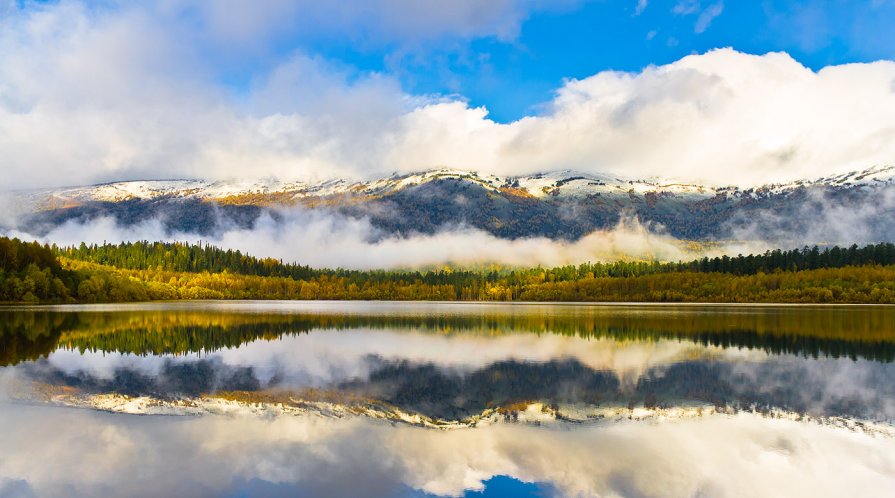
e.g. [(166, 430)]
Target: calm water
[(425, 399)]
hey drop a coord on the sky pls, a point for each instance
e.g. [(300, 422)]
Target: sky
[(721, 92)]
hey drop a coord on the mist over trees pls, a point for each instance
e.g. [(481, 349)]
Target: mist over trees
[(140, 271)]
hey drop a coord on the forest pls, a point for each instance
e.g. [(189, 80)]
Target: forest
[(141, 271), (200, 257)]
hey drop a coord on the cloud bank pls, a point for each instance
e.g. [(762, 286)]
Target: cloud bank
[(326, 240), (118, 91)]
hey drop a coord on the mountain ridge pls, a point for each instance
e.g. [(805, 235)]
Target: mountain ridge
[(564, 205), (556, 183)]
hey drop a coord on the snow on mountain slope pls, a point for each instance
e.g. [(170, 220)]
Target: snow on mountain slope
[(876, 176), (556, 184)]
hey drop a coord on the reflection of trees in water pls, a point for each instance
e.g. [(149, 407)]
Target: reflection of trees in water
[(855, 332), (816, 347), (28, 336)]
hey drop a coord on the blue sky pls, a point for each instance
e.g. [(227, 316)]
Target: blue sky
[(513, 75), (716, 91)]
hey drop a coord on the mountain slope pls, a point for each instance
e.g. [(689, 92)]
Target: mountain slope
[(558, 205)]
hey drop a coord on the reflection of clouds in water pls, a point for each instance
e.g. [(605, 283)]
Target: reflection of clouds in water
[(672, 371), (104, 364), (335, 356), (324, 357), (821, 386), (84, 453)]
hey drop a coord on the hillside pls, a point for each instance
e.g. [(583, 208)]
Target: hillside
[(560, 205)]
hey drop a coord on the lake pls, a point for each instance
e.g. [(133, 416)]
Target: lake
[(244, 399)]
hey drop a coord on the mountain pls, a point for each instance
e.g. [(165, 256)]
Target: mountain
[(559, 205)]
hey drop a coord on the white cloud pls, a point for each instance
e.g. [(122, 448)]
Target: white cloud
[(707, 16), (100, 94), (322, 239), (686, 7), (640, 7)]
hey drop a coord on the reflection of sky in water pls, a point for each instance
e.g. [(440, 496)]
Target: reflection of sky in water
[(67, 452), (495, 487)]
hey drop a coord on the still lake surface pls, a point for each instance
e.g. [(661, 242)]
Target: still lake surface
[(242, 399)]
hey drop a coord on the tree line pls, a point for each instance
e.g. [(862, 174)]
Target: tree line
[(139, 271), (201, 257)]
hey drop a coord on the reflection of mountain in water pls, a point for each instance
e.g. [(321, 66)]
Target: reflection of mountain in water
[(804, 386), (854, 332), (798, 386)]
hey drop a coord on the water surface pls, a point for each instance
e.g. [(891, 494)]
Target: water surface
[(416, 399)]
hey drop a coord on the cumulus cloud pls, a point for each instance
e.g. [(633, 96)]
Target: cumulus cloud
[(723, 116), (102, 93)]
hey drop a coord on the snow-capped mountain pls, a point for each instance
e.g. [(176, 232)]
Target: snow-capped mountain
[(556, 184), (562, 183), (562, 204)]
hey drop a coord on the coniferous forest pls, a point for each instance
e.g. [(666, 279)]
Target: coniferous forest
[(33, 273)]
